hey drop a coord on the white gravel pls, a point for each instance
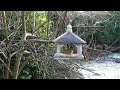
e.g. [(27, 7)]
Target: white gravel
[(106, 69)]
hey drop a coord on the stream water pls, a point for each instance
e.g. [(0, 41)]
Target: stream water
[(106, 67)]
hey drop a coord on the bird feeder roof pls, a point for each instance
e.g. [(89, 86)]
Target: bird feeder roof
[(69, 37)]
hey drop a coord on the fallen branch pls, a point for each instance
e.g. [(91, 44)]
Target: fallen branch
[(76, 70), (90, 70), (44, 41)]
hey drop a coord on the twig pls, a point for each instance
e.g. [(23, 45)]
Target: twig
[(113, 43), (5, 65), (90, 70)]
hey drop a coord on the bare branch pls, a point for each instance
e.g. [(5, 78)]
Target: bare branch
[(5, 65)]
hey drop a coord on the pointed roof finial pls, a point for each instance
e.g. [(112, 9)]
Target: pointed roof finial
[(69, 28)]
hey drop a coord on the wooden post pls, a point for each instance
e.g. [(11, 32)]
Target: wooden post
[(59, 48), (79, 50)]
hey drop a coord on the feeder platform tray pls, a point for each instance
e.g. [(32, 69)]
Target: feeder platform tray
[(67, 56)]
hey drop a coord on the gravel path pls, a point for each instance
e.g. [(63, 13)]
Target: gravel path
[(108, 69)]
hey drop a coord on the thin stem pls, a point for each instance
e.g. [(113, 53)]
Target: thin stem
[(5, 25)]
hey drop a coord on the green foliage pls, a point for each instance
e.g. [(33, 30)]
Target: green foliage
[(35, 69), (41, 21), (1, 72), (30, 70), (111, 31), (82, 32)]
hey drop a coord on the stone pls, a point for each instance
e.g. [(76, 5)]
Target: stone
[(117, 60)]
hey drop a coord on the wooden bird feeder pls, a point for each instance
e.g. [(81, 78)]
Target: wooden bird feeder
[(69, 38)]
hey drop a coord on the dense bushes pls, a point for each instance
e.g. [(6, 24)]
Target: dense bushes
[(107, 34), (111, 31)]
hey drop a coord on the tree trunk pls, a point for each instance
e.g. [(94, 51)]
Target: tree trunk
[(19, 56), (16, 66), (6, 42)]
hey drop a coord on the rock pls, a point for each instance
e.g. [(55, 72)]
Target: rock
[(117, 60)]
